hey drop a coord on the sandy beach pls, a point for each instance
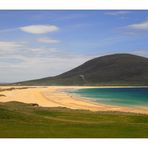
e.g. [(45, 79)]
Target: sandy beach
[(55, 96)]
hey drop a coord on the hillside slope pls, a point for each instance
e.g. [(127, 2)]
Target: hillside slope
[(117, 69)]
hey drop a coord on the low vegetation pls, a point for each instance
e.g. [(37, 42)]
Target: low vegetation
[(28, 120), (13, 88)]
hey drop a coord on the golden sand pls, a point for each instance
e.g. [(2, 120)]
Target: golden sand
[(55, 96)]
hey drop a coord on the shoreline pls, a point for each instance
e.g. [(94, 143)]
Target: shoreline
[(56, 96), (108, 107), (97, 102)]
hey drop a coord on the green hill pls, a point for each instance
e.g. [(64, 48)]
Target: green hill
[(25, 120), (117, 69)]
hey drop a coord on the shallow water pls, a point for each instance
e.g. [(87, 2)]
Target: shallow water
[(116, 96)]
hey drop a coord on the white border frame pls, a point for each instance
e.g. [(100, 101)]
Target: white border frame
[(73, 4)]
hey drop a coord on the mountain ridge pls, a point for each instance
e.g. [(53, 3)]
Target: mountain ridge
[(115, 69)]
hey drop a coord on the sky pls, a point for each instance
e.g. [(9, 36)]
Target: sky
[(37, 44)]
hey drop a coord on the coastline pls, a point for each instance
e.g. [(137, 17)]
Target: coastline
[(56, 96), (107, 107)]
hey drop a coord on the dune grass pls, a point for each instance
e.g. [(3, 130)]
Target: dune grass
[(24, 120)]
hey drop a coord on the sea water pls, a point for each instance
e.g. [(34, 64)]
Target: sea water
[(116, 96)]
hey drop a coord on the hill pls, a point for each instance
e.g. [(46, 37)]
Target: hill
[(25, 120), (117, 69)]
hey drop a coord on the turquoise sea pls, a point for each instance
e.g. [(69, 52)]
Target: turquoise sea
[(116, 96)]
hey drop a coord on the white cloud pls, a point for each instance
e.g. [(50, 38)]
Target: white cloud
[(117, 12), (139, 26), (39, 29), (48, 40), (42, 51), (32, 67), (9, 44), (11, 48), (25, 61), (8, 47), (29, 62)]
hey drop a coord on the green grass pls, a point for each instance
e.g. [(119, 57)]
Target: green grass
[(24, 120)]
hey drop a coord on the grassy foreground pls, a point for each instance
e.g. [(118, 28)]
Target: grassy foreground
[(25, 120)]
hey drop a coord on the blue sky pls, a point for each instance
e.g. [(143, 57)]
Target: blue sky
[(36, 44)]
